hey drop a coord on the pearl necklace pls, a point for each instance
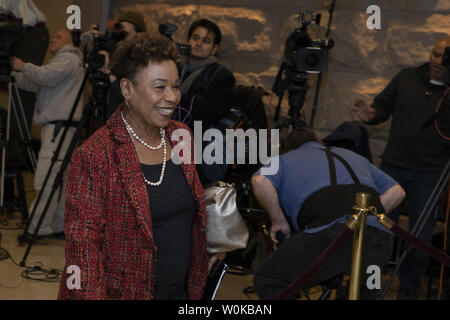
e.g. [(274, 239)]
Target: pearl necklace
[(162, 144), (134, 135)]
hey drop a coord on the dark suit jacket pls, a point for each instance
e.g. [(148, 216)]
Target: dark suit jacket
[(213, 91), (108, 223)]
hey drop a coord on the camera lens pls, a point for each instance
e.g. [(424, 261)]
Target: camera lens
[(312, 59)]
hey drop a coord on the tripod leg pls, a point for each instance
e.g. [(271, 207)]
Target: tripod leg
[(56, 153), (8, 123), (59, 177), (423, 218), (21, 133), (26, 136), (44, 163)]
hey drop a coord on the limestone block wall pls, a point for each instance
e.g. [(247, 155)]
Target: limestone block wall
[(361, 63)]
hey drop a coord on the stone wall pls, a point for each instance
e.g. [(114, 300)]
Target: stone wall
[(361, 63)]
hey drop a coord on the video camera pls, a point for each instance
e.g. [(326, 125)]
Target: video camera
[(302, 55), (11, 29), (106, 42), (168, 29)]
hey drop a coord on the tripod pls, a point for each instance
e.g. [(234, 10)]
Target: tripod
[(22, 126), (59, 177), (95, 103), (424, 216)]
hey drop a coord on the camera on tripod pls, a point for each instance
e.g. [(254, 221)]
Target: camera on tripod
[(303, 54), (11, 29), (168, 29), (96, 60)]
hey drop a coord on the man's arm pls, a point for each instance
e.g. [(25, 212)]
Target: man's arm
[(52, 73), (267, 196), (392, 198), (24, 83), (391, 193), (382, 106)]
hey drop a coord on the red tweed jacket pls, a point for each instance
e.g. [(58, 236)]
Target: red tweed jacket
[(108, 223)]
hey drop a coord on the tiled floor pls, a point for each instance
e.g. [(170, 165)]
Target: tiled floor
[(50, 254)]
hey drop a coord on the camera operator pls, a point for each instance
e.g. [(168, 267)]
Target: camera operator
[(30, 48), (415, 154), (57, 84), (206, 86), (316, 188)]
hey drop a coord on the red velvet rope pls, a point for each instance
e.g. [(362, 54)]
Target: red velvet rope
[(419, 244), (315, 267)]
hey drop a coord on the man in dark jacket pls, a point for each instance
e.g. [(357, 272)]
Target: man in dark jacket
[(416, 153), (206, 86)]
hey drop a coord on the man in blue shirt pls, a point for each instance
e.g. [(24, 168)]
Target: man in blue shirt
[(312, 194)]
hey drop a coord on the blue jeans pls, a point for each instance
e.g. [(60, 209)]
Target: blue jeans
[(418, 186)]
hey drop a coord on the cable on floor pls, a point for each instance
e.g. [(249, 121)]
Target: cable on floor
[(36, 272)]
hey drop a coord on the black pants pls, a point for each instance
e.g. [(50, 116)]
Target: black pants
[(418, 186), (302, 249)]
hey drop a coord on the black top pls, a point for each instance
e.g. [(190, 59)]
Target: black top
[(172, 206), (211, 94), (213, 89), (411, 100)]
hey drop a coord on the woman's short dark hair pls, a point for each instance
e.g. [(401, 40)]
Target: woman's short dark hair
[(136, 52), (208, 25)]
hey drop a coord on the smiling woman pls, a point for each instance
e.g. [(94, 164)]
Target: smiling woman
[(134, 220)]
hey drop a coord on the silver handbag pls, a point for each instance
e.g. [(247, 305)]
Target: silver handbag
[(226, 230)]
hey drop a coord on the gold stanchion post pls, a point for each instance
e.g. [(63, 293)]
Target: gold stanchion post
[(362, 201)]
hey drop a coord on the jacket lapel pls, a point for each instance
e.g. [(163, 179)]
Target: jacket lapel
[(130, 172)]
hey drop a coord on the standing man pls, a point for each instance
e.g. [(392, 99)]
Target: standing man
[(206, 86), (57, 84), (309, 200), (415, 153)]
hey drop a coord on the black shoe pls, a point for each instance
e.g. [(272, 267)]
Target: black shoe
[(59, 235), (27, 238), (407, 294)]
